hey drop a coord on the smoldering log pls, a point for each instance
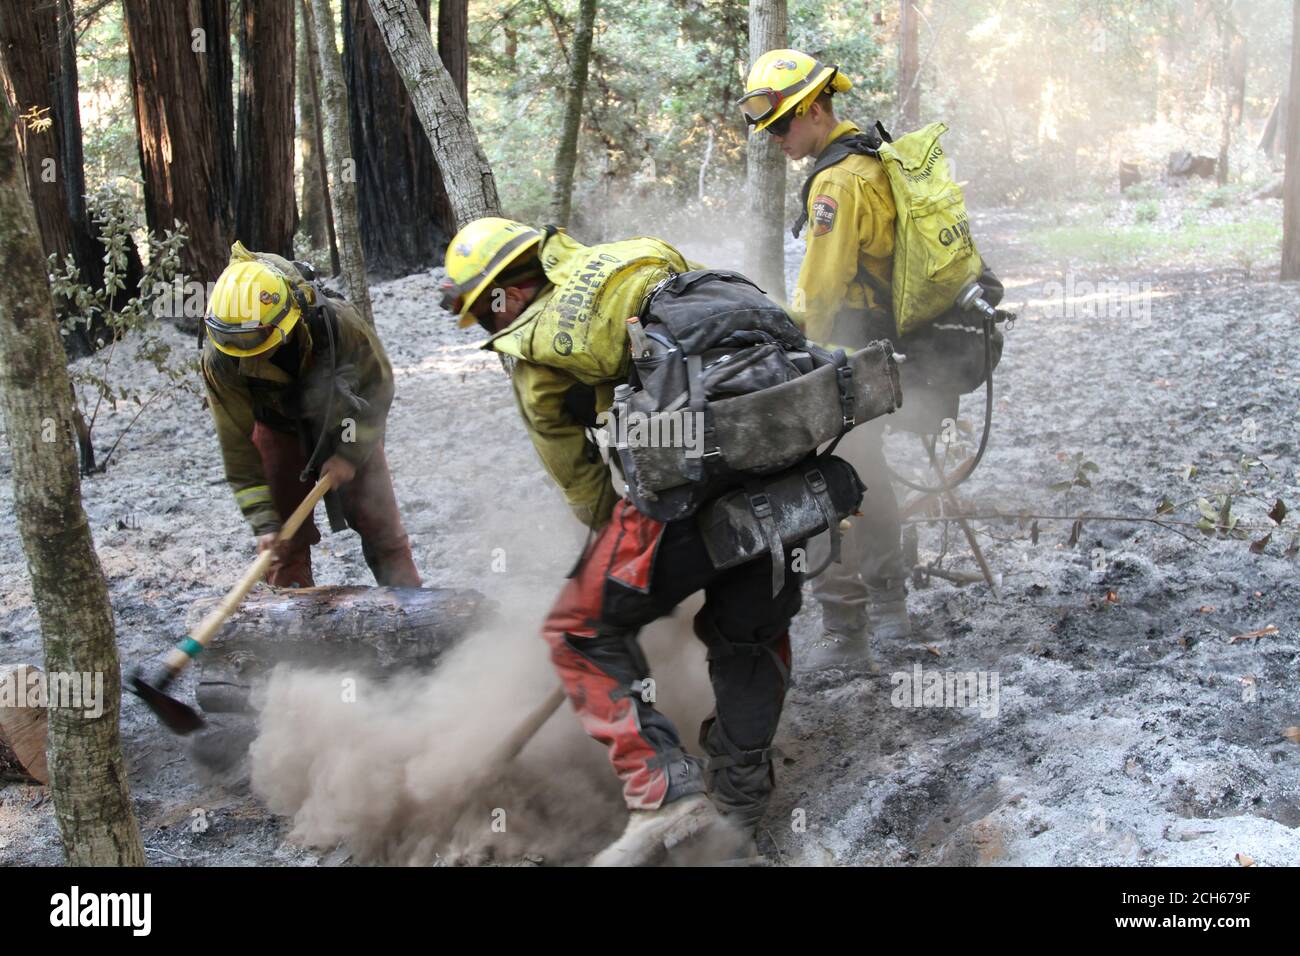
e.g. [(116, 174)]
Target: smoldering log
[(371, 631), (23, 727)]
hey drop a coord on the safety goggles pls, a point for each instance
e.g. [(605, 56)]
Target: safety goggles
[(245, 336), (758, 105)]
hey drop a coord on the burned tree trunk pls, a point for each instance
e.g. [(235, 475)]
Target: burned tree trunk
[(765, 165), (342, 167), (23, 726), (402, 208), (566, 153), (265, 212), (87, 773), (1291, 182), (369, 631), (466, 173), (39, 62), (181, 78)]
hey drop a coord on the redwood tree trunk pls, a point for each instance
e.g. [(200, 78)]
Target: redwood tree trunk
[(342, 167), (87, 774), (1291, 183), (401, 205), (470, 184), (181, 79), (265, 212), (453, 43), (765, 166), (39, 62), (566, 153)]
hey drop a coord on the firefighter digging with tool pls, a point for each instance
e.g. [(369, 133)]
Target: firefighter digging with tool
[(299, 387), (560, 311)]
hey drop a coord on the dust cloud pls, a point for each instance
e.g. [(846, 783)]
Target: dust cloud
[(394, 769)]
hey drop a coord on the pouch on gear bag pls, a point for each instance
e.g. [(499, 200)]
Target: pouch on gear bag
[(787, 508)]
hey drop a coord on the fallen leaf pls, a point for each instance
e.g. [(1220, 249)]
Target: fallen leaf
[(1292, 734), (1252, 635), (1112, 597), (1033, 532), (1244, 860), (1075, 530), (933, 650), (1257, 547), (1206, 608), (1278, 511)]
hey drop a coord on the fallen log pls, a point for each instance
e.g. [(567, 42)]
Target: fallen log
[(23, 729), (372, 631)]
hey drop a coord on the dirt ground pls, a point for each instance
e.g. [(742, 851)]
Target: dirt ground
[(1127, 728)]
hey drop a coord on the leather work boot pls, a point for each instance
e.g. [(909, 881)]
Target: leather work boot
[(835, 649), (889, 620), (651, 833)]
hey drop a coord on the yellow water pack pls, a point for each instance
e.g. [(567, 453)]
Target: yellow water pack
[(934, 255)]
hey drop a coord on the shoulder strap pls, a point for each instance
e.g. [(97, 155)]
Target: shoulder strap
[(317, 317), (850, 144)]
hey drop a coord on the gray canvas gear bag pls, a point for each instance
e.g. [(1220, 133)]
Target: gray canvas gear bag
[(731, 395)]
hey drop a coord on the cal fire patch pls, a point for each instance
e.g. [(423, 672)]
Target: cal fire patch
[(823, 214)]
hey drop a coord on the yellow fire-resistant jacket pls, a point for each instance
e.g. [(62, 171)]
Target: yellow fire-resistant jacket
[(848, 264), (574, 336), (292, 383)]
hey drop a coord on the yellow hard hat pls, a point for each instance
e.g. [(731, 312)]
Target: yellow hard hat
[(785, 80), (252, 308), (478, 254)]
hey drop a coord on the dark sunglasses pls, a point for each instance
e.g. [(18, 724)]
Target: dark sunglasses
[(780, 127)]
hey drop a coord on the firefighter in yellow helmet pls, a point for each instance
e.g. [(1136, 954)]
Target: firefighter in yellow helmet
[(299, 386), (560, 310), (842, 299)]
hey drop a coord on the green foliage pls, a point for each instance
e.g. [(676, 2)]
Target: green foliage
[(661, 97), (1147, 211), (111, 312)]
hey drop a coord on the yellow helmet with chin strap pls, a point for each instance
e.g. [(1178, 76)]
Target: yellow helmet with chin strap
[(785, 82), (478, 254), (253, 307)]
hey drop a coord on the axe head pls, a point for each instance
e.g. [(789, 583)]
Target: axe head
[(149, 683)]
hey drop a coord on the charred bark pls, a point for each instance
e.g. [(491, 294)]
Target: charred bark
[(265, 211), (402, 207), (181, 77), (372, 631)]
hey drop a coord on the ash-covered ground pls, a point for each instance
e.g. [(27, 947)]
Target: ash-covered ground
[(1127, 728)]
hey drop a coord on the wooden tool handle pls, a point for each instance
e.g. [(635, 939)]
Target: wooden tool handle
[(217, 616)]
